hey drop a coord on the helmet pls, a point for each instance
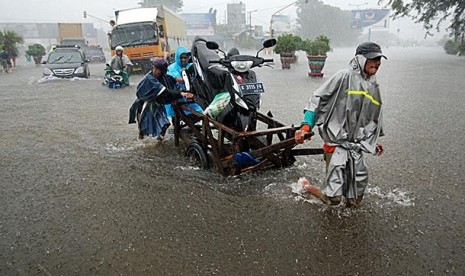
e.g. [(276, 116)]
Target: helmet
[(119, 48), (233, 52), (161, 64)]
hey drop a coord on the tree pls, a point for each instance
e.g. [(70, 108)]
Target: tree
[(427, 11), (317, 47), (287, 43), (8, 41), (37, 51), (174, 5), (315, 18)]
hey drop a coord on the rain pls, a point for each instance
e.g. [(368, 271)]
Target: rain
[(82, 195)]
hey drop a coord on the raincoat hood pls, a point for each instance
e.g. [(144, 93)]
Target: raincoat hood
[(175, 68), (357, 64), (149, 88), (177, 56)]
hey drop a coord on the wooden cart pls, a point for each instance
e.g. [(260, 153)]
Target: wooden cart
[(211, 144)]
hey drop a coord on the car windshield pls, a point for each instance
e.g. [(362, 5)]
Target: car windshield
[(64, 57), (133, 35)]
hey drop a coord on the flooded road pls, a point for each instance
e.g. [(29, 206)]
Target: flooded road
[(81, 195)]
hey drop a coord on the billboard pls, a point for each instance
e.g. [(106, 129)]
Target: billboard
[(365, 18), (281, 24), (199, 23)]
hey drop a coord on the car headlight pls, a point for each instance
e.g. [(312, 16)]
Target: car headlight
[(79, 70), (47, 72), (242, 66)]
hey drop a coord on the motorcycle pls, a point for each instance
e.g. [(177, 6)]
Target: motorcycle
[(113, 78), (226, 84)]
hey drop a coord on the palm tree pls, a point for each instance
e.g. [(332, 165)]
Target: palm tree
[(8, 40)]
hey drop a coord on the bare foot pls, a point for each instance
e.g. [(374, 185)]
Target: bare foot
[(303, 182), (311, 189)]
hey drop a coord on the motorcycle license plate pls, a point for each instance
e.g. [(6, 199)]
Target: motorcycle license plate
[(252, 88)]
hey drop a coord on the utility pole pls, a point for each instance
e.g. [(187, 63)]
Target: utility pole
[(250, 19), (86, 14)]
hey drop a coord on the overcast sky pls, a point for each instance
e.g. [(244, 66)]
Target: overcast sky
[(66, 10), (260, 11)]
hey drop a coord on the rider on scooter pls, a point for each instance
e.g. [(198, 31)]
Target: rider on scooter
[(121, 62)]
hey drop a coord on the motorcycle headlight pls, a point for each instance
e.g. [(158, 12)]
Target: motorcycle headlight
[(79, 70), (47, 72), (242, 66)]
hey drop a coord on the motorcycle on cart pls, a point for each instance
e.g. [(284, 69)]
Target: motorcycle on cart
[(231, 136)]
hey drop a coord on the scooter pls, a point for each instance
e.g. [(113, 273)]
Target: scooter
[(215, 75), (113, 78)]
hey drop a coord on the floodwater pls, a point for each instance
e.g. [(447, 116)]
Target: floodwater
[(81, 195)]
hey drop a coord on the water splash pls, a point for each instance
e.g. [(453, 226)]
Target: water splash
[(302, 166), (53, 78), (300, 195), (47, 79), (397, 195), (278, 190), (78, 79), (119, 148), (187, 168), (122, 146), (296, 187)]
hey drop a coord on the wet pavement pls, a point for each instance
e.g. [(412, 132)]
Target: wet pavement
[(81, 195)]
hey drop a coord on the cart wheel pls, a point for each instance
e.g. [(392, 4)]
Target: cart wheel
[(197, 155)]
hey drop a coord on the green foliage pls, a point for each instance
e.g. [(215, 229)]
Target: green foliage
[(428, 11), (316, 18), (36, 50), (8, 41), (287, 43), (317, 47), (451, 47)]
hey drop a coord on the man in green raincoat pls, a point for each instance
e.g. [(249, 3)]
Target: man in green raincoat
[(346, 109)]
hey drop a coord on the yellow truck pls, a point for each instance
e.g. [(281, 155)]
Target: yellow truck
[(146, 33)]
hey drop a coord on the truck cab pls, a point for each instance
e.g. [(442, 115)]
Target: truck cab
[(146, 33)]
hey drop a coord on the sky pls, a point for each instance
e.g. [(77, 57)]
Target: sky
[(101, 11)]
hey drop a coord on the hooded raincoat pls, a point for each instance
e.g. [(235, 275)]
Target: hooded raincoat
[(175, 70), (148, 108), (346, 109)]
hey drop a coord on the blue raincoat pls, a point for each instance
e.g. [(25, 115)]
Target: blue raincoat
[(153, 120), (175, 70)]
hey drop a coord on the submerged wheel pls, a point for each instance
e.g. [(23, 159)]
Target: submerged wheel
[(197, 155)]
